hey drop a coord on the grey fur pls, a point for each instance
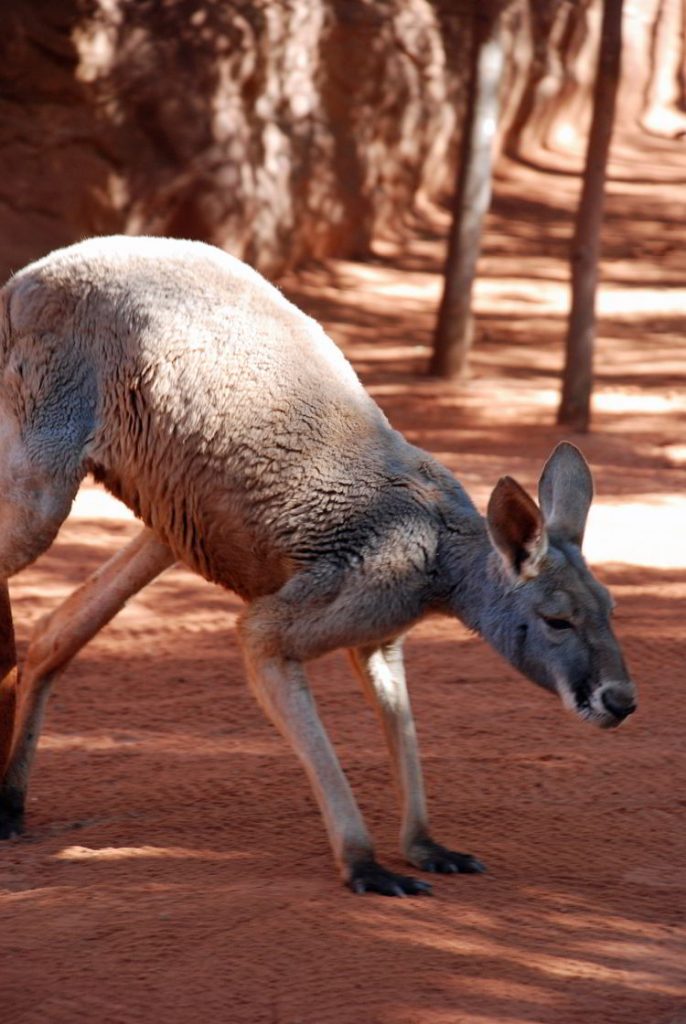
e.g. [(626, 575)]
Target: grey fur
[(241, 437)]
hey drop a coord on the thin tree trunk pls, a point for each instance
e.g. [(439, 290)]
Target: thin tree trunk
[(453, 336), (575, 405)]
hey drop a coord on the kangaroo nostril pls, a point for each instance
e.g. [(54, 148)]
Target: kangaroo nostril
[(618, 703)]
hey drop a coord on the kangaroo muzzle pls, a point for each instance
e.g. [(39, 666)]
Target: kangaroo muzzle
[(612, 703)]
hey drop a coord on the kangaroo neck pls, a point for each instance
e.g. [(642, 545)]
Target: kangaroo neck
[(476, 576)]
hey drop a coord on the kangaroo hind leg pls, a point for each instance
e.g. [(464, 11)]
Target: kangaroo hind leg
[(57, 638), (35, 498), (8, 675)]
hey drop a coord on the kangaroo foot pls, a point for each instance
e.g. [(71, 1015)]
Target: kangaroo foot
[(368, 876), (427, 855), (11, 813)]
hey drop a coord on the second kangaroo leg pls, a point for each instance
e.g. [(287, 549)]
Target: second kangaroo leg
[(56, 640), (8, 674), (382, 674)]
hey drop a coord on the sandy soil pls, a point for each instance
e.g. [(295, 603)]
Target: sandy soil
[(175, 868)]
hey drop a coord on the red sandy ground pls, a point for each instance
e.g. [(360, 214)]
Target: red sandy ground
[(175, 867)]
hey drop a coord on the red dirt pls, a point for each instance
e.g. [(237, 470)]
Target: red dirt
[(175, 867)]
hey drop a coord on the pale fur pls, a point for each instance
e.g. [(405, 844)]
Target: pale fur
[(244, 441)]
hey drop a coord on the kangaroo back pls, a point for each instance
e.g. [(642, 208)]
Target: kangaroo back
[(198, 395)]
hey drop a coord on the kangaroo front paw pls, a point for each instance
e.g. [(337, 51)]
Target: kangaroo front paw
[(368, 876), (11, 814), (430, 856)]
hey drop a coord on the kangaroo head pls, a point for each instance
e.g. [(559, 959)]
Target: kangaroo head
[(553, 619)]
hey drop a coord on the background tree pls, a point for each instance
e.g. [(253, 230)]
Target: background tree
[(661, 114), (472, 194), (281, 132), (577, 382), (558, 31)]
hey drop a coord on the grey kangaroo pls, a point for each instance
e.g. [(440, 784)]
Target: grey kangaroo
[(241, 437)]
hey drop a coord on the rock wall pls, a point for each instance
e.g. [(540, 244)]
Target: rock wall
[(278, 129)]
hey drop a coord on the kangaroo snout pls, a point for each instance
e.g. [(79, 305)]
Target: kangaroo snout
[(615, 702)]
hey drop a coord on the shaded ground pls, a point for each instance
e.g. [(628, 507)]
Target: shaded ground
[(176, 868)]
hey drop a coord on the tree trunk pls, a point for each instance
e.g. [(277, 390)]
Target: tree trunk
[(542, 65), (472, 194), (663, 86), (577, 382)]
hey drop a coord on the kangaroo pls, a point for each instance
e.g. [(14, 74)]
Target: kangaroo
[(236, 430)]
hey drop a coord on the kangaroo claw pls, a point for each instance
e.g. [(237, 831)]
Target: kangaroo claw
[(431, 856), (368, 876)]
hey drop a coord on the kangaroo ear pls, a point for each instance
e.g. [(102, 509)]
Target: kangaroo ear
[(516, 528), (565, 492)]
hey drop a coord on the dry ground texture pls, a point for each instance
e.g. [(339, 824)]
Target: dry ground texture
[(175, 867)]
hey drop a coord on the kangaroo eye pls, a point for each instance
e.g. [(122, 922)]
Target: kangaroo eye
[(558, 624)]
